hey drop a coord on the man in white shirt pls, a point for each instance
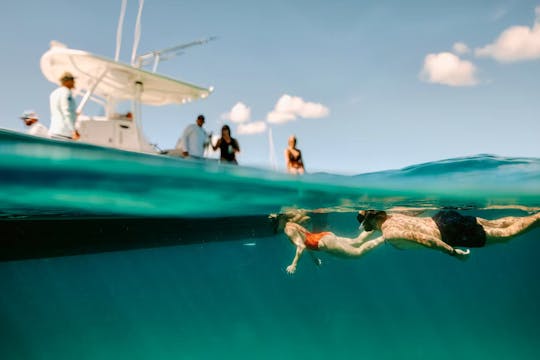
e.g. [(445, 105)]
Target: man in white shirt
[(31, 120), (194, 139), (64, 110)]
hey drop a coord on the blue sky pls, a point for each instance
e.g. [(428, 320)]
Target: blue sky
[(365, 85)]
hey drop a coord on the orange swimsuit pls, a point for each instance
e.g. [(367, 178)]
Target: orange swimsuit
[(312, 239)]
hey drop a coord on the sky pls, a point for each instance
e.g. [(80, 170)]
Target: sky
[(364, 85)]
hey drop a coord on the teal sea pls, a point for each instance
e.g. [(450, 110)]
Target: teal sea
[(106, 254)]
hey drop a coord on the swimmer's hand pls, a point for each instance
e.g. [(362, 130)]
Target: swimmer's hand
[(291, 269), (461, 254)]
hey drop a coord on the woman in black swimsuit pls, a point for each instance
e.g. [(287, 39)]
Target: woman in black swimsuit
[(228, 146), (293, 158)]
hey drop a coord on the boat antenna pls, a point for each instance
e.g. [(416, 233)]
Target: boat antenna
[(271, 149), (137, 35), (156, 56), (119, 30)]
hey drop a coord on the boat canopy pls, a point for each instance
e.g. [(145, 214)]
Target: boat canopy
[(114, 80)]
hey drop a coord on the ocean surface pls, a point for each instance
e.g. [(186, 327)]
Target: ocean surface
[(106, 254)]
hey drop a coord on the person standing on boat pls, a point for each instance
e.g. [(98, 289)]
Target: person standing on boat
[(64, 110), (194, 139), (31, 120), (293, 157), (227, 145)]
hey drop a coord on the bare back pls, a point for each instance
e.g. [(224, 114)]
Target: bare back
[(405, 232)]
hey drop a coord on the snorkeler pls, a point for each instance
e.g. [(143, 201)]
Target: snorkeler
[(445, 231), (327, 242)]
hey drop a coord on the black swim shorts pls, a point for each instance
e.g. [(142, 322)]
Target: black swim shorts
[(459, 230)]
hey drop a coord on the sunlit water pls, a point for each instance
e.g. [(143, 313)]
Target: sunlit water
[(216, 291)]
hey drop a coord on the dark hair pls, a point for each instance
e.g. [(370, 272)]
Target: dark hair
[(226, 127), (369, 215), (200, 117)]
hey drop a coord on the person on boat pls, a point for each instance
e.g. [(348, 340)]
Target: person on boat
[(64, 110), (445, 231), (194, 139), (293, 157), (227, 145), (31, 120)]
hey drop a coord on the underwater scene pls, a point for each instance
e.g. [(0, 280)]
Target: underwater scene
[(106, 254)]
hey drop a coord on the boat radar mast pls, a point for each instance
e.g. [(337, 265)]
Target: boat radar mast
[(156, 56)]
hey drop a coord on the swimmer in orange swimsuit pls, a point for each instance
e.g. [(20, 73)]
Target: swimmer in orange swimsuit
[(328, 242)]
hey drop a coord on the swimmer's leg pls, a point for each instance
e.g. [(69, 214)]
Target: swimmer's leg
[(502, 230)]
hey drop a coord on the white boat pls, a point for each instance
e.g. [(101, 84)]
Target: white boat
[(108, 83)]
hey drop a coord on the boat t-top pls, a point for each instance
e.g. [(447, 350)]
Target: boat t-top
[(108, 82)]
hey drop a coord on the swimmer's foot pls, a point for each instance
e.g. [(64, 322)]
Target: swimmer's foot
[(461, 254)]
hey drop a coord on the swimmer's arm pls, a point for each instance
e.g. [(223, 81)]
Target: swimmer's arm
[(437, 244), (292, 268), (362, 237), (370, 245)]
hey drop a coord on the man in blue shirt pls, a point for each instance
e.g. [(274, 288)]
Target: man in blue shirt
[(194, 139), (64, 110)]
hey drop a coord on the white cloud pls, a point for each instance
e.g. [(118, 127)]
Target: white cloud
[(289, 104), (251, 128), (448, 69), (461, 48), (297, 105), (313, 111), (517, 43), (288, 108), (276, 117), (239, 113)]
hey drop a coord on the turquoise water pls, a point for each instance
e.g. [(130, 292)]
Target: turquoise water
[(40, 176), (218, 290)]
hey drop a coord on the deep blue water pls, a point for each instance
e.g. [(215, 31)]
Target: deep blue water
[(233, 299)]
